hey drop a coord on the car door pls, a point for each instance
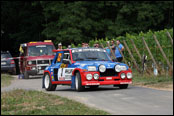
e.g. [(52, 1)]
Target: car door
[(65, 69)]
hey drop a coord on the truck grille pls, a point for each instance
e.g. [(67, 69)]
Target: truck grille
[(108, 72), (43, 62)]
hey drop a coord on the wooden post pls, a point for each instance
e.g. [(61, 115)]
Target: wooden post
[(132, 57), (168, 34), (111, 51), (164, 55), (136, 49), (121, 54), (150, 53), (139, 55)]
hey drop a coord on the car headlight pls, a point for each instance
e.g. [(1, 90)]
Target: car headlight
[(96, 76), (92, 68), (89, 76), (123, 75), (29, 62), (119, 68), (102, 68), (129, 75), (33, 68)]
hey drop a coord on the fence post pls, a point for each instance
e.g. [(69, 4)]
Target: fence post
[(141, 59), (150, 53), (164, 55), (168, 34), (132, 56)]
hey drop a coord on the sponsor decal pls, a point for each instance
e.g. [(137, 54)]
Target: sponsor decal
[(93, 84), (126, 82), (65, 73), (85, 50)]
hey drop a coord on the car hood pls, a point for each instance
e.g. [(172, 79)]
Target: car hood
[(108, 64)]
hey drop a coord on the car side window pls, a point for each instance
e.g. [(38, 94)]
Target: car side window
[(58, 59), (66, 57)]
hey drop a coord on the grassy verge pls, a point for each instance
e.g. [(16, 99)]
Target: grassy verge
[(159, 82), (20, 102), (6, 80)]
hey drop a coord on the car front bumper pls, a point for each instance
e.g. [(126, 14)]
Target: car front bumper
[(8, 68)]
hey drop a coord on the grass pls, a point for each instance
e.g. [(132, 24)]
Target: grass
[(20, 102), (6, 80), (161, 81)]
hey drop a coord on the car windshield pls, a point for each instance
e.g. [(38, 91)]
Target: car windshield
[(40, 50), (5, 56), (90, 54)]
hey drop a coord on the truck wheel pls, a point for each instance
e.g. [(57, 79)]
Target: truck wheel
[(78, 83), (47, 83), (26, 76), (123, 86)]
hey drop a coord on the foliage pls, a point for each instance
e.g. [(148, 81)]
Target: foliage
[(79, 21), (148, 36), (31, 102), (6, 80)]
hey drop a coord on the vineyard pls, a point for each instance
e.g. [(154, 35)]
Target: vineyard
[(157, 46)]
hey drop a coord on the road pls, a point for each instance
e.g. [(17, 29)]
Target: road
[(132, 101)]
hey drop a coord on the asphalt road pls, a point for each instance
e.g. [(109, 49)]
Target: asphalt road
[(131, 101)]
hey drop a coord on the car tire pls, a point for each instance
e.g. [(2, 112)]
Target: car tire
[(47, 83), (26, 76), (125, 86), (78, 83)]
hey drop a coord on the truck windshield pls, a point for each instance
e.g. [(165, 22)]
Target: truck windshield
[(90, 55), (40, 50)]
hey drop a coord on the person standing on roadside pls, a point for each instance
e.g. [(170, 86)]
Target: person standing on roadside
[(117, 52), (59, 46)]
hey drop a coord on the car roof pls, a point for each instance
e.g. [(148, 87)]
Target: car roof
[(75, 49), (5, 52)]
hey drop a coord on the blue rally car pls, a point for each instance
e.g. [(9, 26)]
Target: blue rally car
[(80, 67)]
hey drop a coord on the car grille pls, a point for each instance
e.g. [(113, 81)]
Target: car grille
[(108, 72), (43, 67), (43, 62)]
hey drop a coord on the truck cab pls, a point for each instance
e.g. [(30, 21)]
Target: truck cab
[(35, 57)]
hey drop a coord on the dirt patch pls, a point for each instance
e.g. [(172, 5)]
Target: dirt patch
[(166, 87)]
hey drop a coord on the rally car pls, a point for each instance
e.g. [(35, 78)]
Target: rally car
[(82, 67)]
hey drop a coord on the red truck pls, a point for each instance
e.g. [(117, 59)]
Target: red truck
[(35, 57)]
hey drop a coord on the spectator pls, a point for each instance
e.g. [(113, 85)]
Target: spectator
[(86, 45), (117, 52), (83, 45), (96, 45), (108, 51), (113, 46), (69, 46), (59, 46)]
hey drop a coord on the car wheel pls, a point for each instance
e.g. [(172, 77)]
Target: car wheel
[(125, 86), (78, 83), (47, 83), (26, 76)]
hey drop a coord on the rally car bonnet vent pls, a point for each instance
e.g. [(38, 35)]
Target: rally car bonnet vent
[(55, 74), (108, 72)]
